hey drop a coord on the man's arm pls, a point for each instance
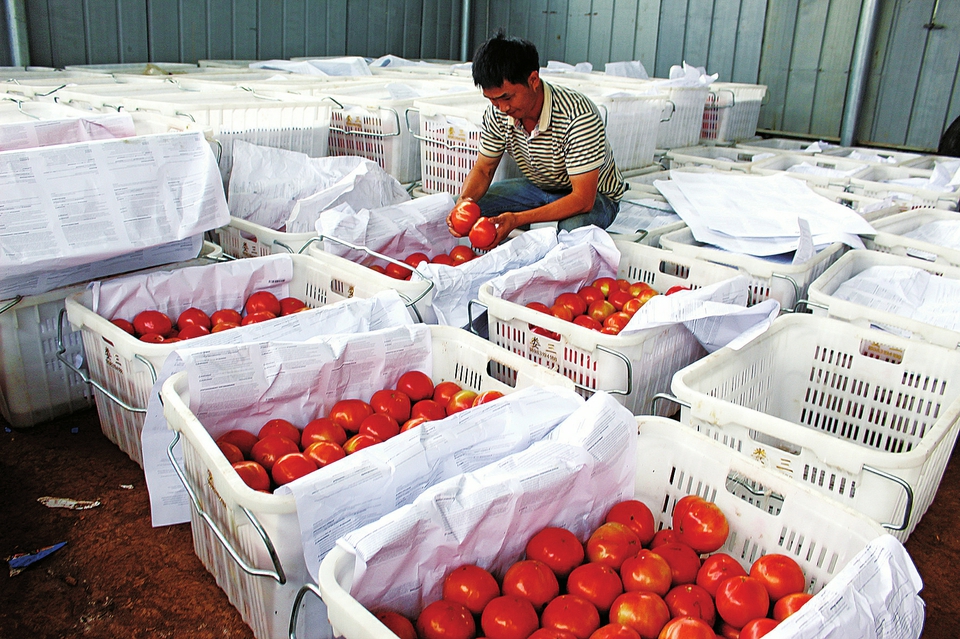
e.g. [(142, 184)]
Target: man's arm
[(476, 183)]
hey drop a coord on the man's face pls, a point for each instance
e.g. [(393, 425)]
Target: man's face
[(517, 100)]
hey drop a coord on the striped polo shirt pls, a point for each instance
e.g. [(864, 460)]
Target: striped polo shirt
[(569, 140)]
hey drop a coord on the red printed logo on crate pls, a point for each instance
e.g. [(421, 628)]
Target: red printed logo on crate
[(457, 134), (114, 362), (547, 355), (354, 122)]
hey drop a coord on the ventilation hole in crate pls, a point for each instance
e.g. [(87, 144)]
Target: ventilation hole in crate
[(341, 288), (503, 373), (673, 475), (832, 564), (842, 485), (665, 508)]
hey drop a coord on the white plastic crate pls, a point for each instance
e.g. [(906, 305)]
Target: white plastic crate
[(238, 512), (928, 161), (786, 283), (683, 127), (877, 182), (634, 367), (837, 172), (731, 111), (143, 68), (822, 301), (890, 236), (864, 417), (882, 157), (719, 158), (779, 145), (242, 238), (649, 235), (767, 513), (869, 207)]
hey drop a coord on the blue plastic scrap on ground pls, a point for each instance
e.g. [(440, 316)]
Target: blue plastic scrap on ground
[(21, 561)]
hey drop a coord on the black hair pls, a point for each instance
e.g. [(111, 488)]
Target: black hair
[(502, 58), (950, 141)]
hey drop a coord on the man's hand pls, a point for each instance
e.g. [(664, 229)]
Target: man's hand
[(505, 223)]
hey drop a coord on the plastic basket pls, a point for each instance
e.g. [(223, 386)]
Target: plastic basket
[(633, 368), (650, 235), (822, 302), (928, 162), (870, 208), (239, 512), (143, 68), (890, 236), (843, 171), (864, 417), (876, 182), (242, 238), (882, 157), (731, 111), (767, 513), (786, 283), (778, 145), (683, 127), (718, 158)]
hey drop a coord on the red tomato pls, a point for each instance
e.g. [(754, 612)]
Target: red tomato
[(601, 310), (290, 305), (461, 400), (191, 331), (508, 617), (359, 442), (690, 600), (623, 285), (598, 584), (637, 516), (682, 506), (271, 448), (551, 633), (483, 234), (531, 580), (640, 288), (444, 259), (443, 391), (611, 544), (231, 452), (556, 547), (350, 413), (414, 259), (572, 614), (462, 253), (665, 536), (413, 422), (645, 612), (562, 312), (572, 301), (396, 623), (618, 298), (757, 628), (323, 429), (226, 315), (632, 305), (169, 340), (152, 322), (428, 409), (464, 216), (686, 628), (587, 322), (727, 631), (615, 631), (253, 475), (378, 269), (605, 284), (446, 620), (471, 586), (487, 396), (124, 325), (590, 294), (280, 427), (684, 562), (394, 403), (222, 326), (397, 271), (256, 318), (291, 466), (647, 571), (789, 604), (194, 317), (617, 322), (676, 289), (740, 599), (262, 302), (415, 385), (779, 574), (380, 425), (702, 526), (716, 569), (244, 440), (323, 453)]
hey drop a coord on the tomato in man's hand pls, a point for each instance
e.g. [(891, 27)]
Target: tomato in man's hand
[(464, 216), (483, 235)]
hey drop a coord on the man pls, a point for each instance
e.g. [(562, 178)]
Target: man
[(557, 138)]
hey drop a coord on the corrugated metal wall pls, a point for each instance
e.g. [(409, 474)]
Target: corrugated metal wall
[(801, 49)]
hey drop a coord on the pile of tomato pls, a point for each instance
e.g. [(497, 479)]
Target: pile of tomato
[(156, 327), (282, 452), (458, 255), (628, 581)]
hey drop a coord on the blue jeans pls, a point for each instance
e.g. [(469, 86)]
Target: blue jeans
[(518, 194)]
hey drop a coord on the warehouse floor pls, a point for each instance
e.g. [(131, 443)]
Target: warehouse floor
[(118, 577)]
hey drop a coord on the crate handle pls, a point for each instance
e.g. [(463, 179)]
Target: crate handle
[(667, 397), (285, 246), (61, 350), (219, 150), (673, 109), (295, 613), (733, 99), (470, 314), (277, 575), (369, 134), (796, 288), (807, 304), (10, 304), (423, 138), (606, 113), (629, 364), (908, 507)]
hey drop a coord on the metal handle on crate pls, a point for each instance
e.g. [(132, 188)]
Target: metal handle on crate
[(371, 134), (673, 109), (908, 508), (186, 115), (733, 99), (626, 360), (668, 397), (423, 138), (470, 304), (255, 94), (807, 304), (10, 304), (295, 613), (277, 574), (796, 288), (219, 151), (286, 246), (606, 113), (85, 378)]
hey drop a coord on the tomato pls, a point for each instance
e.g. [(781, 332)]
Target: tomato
[(256, 318), (605, 284), (779, 574), (380, 425), (271, 448), (686, 628), (645, 612), (462, 253), (170, 340), (665, 536), (152, 322), (727, 631), (413, 422), (290, 305), (191, 331), (194, 317), (558, 548), (684, 562), (414, 259), (618, 298), (740, 599), (291, 466), (461, 400), (551, 633), (676, 289), (483, 234), (253, 475), (222, 326), (463, 216), (444, 259), (597, 583), (572, 301), (244, 440), (396, 623), (124, 325), (322, 453), (690, 600), (416, 385), (280, 427), (471, 586), (637, 516), (394, 403), (226, 315), (601, 310), (231, 452), (350, 413), (379, 269), (508, 617), (717, 568), (615, 631), (359, 442), (701, 525), (587, 322), (562, 312), (640, 288), (446, 620), (487, 396), (757, 628), (531, 580), (443, 391), (632, 305), (323, 429), (262, 302), (428, 409), (617, 321), (573, 614), (647, 571), (397, 272), (590, 294), (789, 604), (611, 544)]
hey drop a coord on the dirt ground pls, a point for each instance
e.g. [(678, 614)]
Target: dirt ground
[(118, 577)]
